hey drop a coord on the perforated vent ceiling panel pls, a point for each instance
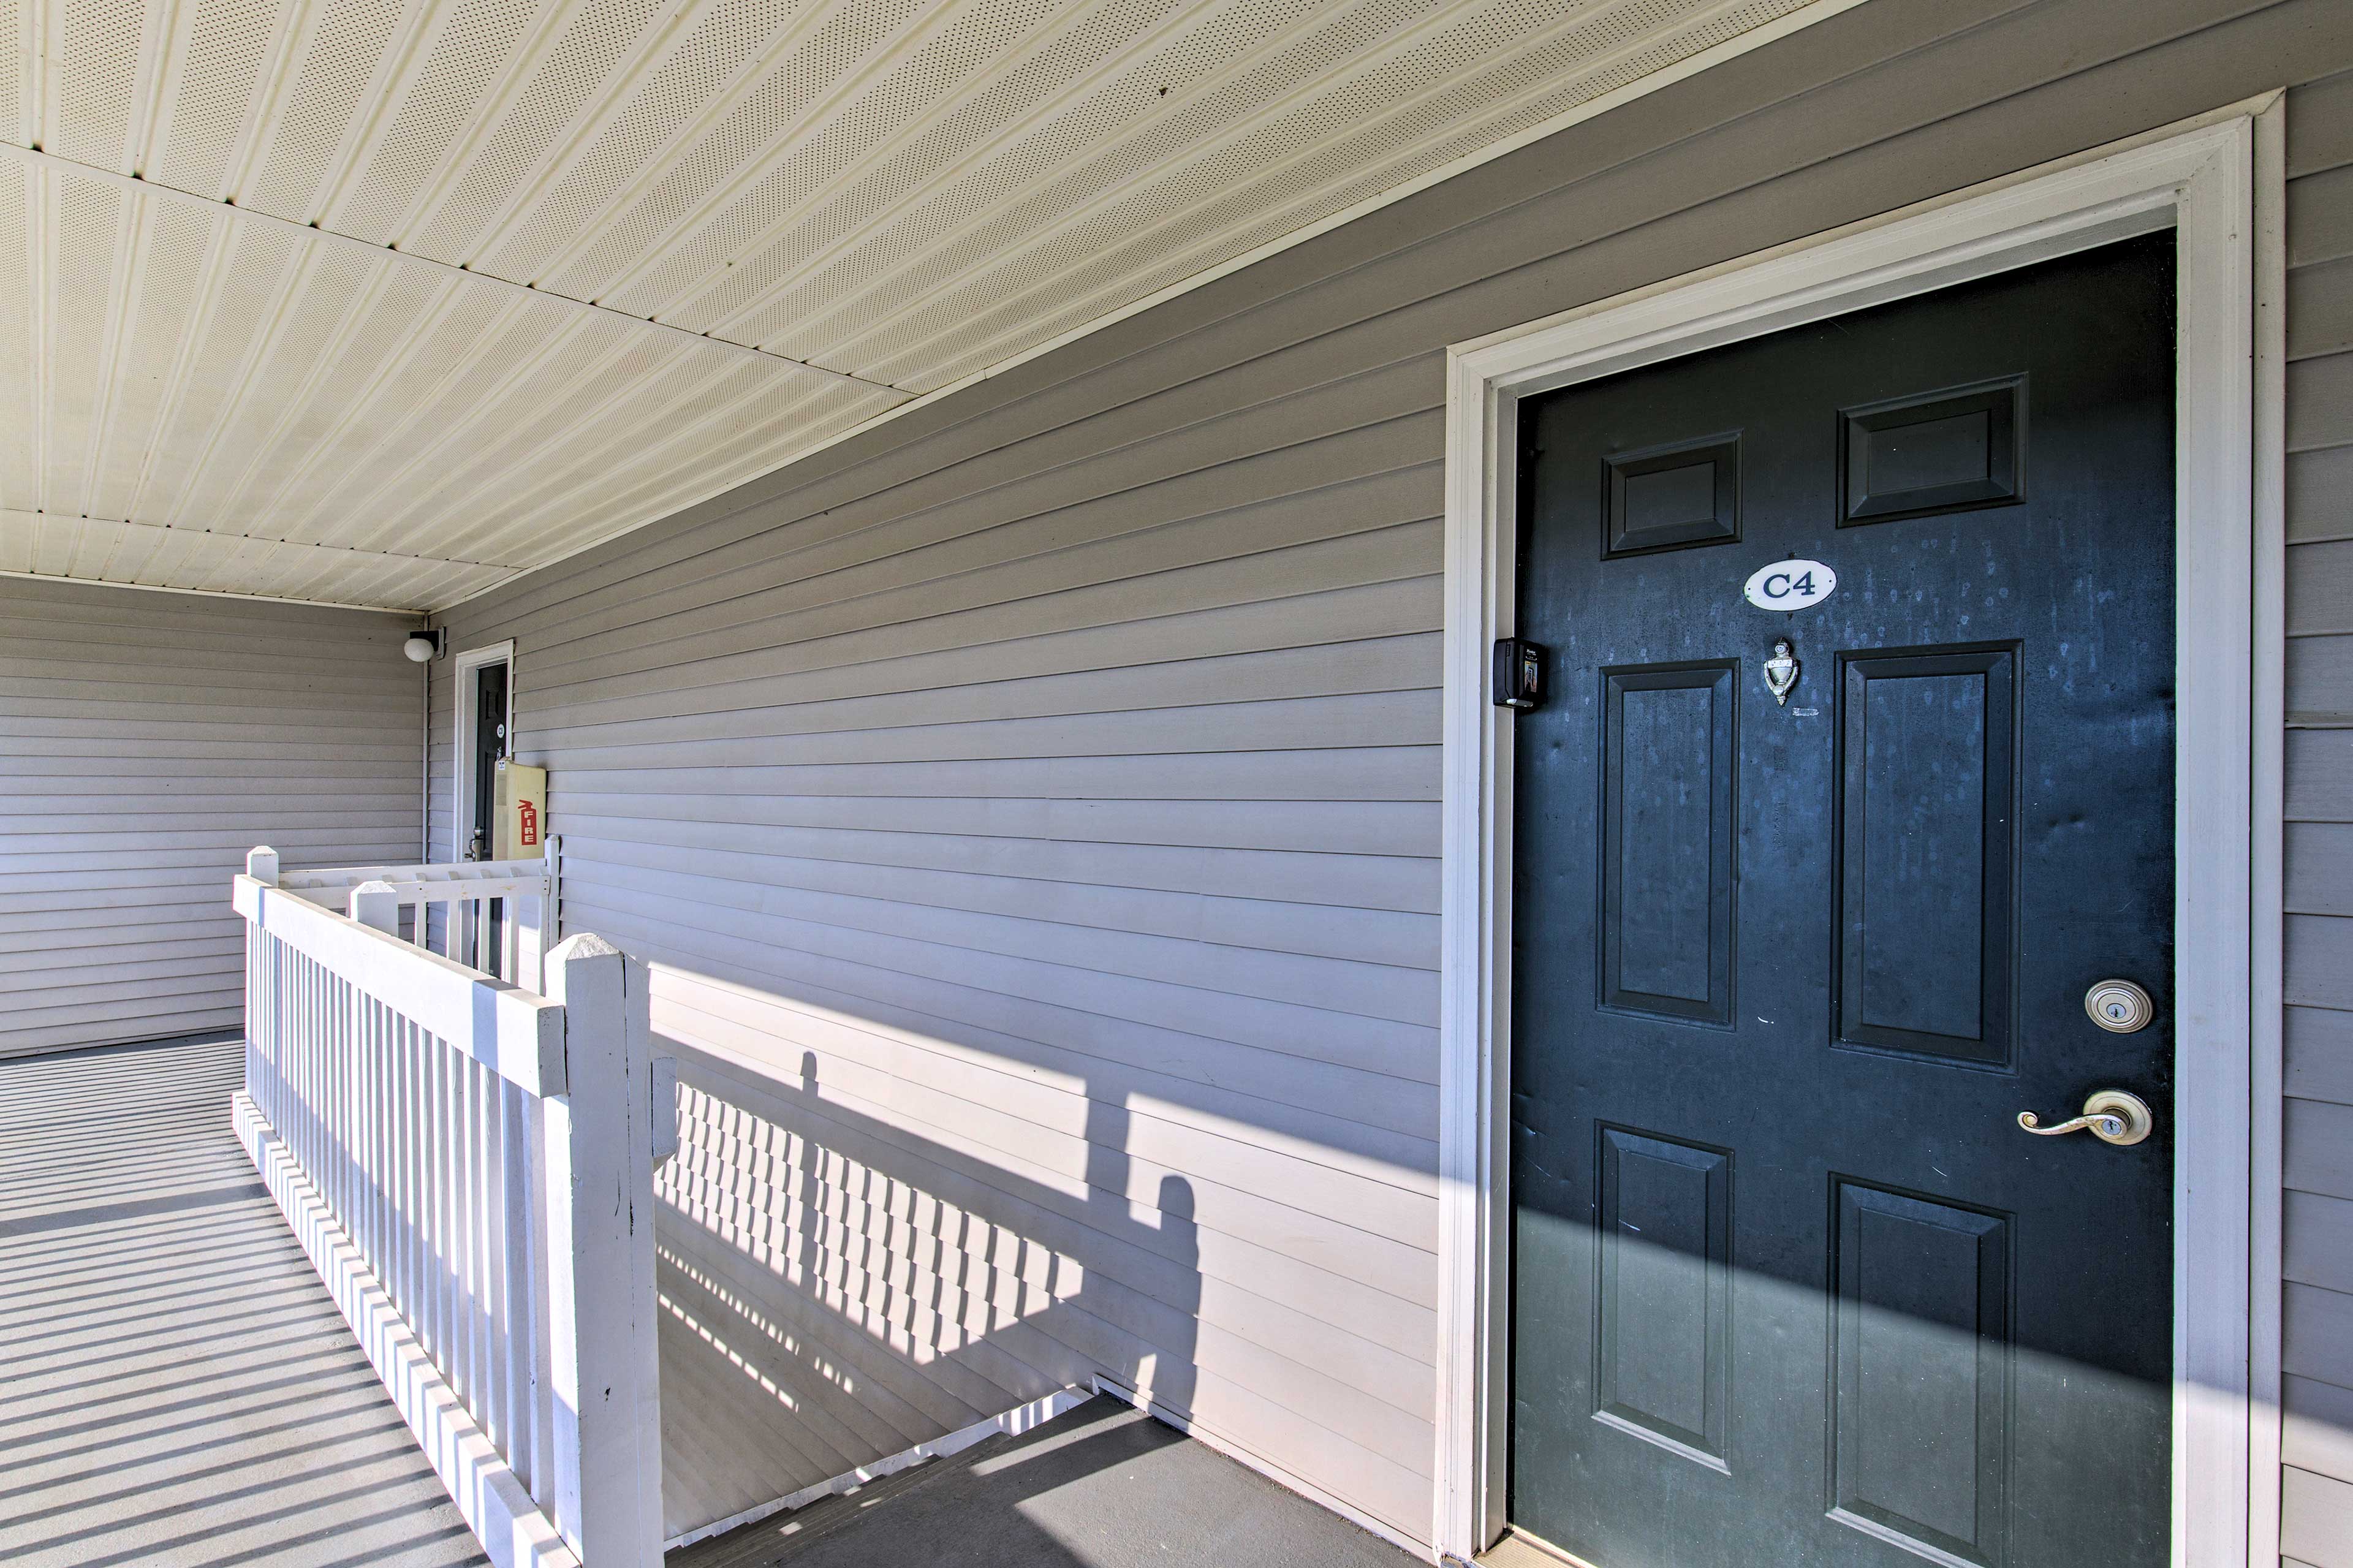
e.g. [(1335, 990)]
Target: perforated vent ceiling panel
[(381, 304)]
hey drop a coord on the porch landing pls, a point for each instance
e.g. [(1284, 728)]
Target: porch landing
[(181, 1391), (1101, 1486)]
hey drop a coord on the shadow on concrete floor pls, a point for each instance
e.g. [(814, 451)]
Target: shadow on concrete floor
[(1102, 1486), (180, 1390)]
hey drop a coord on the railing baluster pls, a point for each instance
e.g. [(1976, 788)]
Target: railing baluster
[(382, 1111), (307, 1048), (460, 1139), (450, 1247), (486, 1367), (431, 1289), (362, 1122), (417, 1074), (525, 1379), (481, 1379), (461, 1240), (307, 1053), (339, 1121), (417, 1155), (539, 1307), (404, 1185)]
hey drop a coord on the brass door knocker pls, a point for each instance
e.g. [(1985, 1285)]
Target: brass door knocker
[(1782, 673)]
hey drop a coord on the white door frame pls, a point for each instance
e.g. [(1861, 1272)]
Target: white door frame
[(2217, 180), (462, 802)]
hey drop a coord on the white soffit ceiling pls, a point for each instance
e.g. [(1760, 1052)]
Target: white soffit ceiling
[(381, 304)]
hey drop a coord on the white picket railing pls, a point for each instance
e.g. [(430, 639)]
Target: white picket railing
[(470, 1164), (493, 915)]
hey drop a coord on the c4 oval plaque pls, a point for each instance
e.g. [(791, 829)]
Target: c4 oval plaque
[(1790, 586)]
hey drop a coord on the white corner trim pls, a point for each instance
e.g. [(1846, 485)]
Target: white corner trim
[(462, 719), (425, 758), (1021, 1418), (2201, 179), (513, 1531), (2267, 896)]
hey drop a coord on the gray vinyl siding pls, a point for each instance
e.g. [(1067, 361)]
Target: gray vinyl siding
[(147, 740), (1031, 806), (2317, 1360)]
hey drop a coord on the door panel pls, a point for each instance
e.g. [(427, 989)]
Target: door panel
[(1666, 856), (1920, 1415), (1665, 1292), (1790, 1284), (1926, 792)]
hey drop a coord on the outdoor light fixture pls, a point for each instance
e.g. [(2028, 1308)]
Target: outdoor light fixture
[(421, 646)]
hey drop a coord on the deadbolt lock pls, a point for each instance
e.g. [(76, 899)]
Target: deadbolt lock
[(2119, 1006)]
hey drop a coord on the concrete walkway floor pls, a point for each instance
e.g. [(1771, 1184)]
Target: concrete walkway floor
[(176, 1390), (1102, 1486)]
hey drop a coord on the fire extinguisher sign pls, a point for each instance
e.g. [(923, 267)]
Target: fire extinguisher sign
[(522, 810)]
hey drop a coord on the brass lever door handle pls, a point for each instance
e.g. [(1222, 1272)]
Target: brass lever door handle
[(2110, 1115)]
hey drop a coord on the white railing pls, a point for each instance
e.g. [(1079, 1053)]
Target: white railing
[(470, 1164), (492, 915)]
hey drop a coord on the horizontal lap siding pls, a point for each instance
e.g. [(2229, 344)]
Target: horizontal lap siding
[(1030, 808), (2318, 1398), (147, 740), (1057, 984)]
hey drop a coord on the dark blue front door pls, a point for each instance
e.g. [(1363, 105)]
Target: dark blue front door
[(1808, 902)]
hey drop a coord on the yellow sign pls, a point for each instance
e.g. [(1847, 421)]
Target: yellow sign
[(523, 811)]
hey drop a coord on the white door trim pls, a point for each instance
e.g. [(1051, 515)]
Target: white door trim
[(2201, 178), (462, 709)]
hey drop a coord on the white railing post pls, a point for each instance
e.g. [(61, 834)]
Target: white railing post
[(551, 909), (607, 1469), (376, 904), (532, 922), (550, 854), (259, 985), (260, 991)]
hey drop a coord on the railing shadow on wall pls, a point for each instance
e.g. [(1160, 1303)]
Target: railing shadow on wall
[(1015, 1090), (911, 1307), (818, 1252)]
